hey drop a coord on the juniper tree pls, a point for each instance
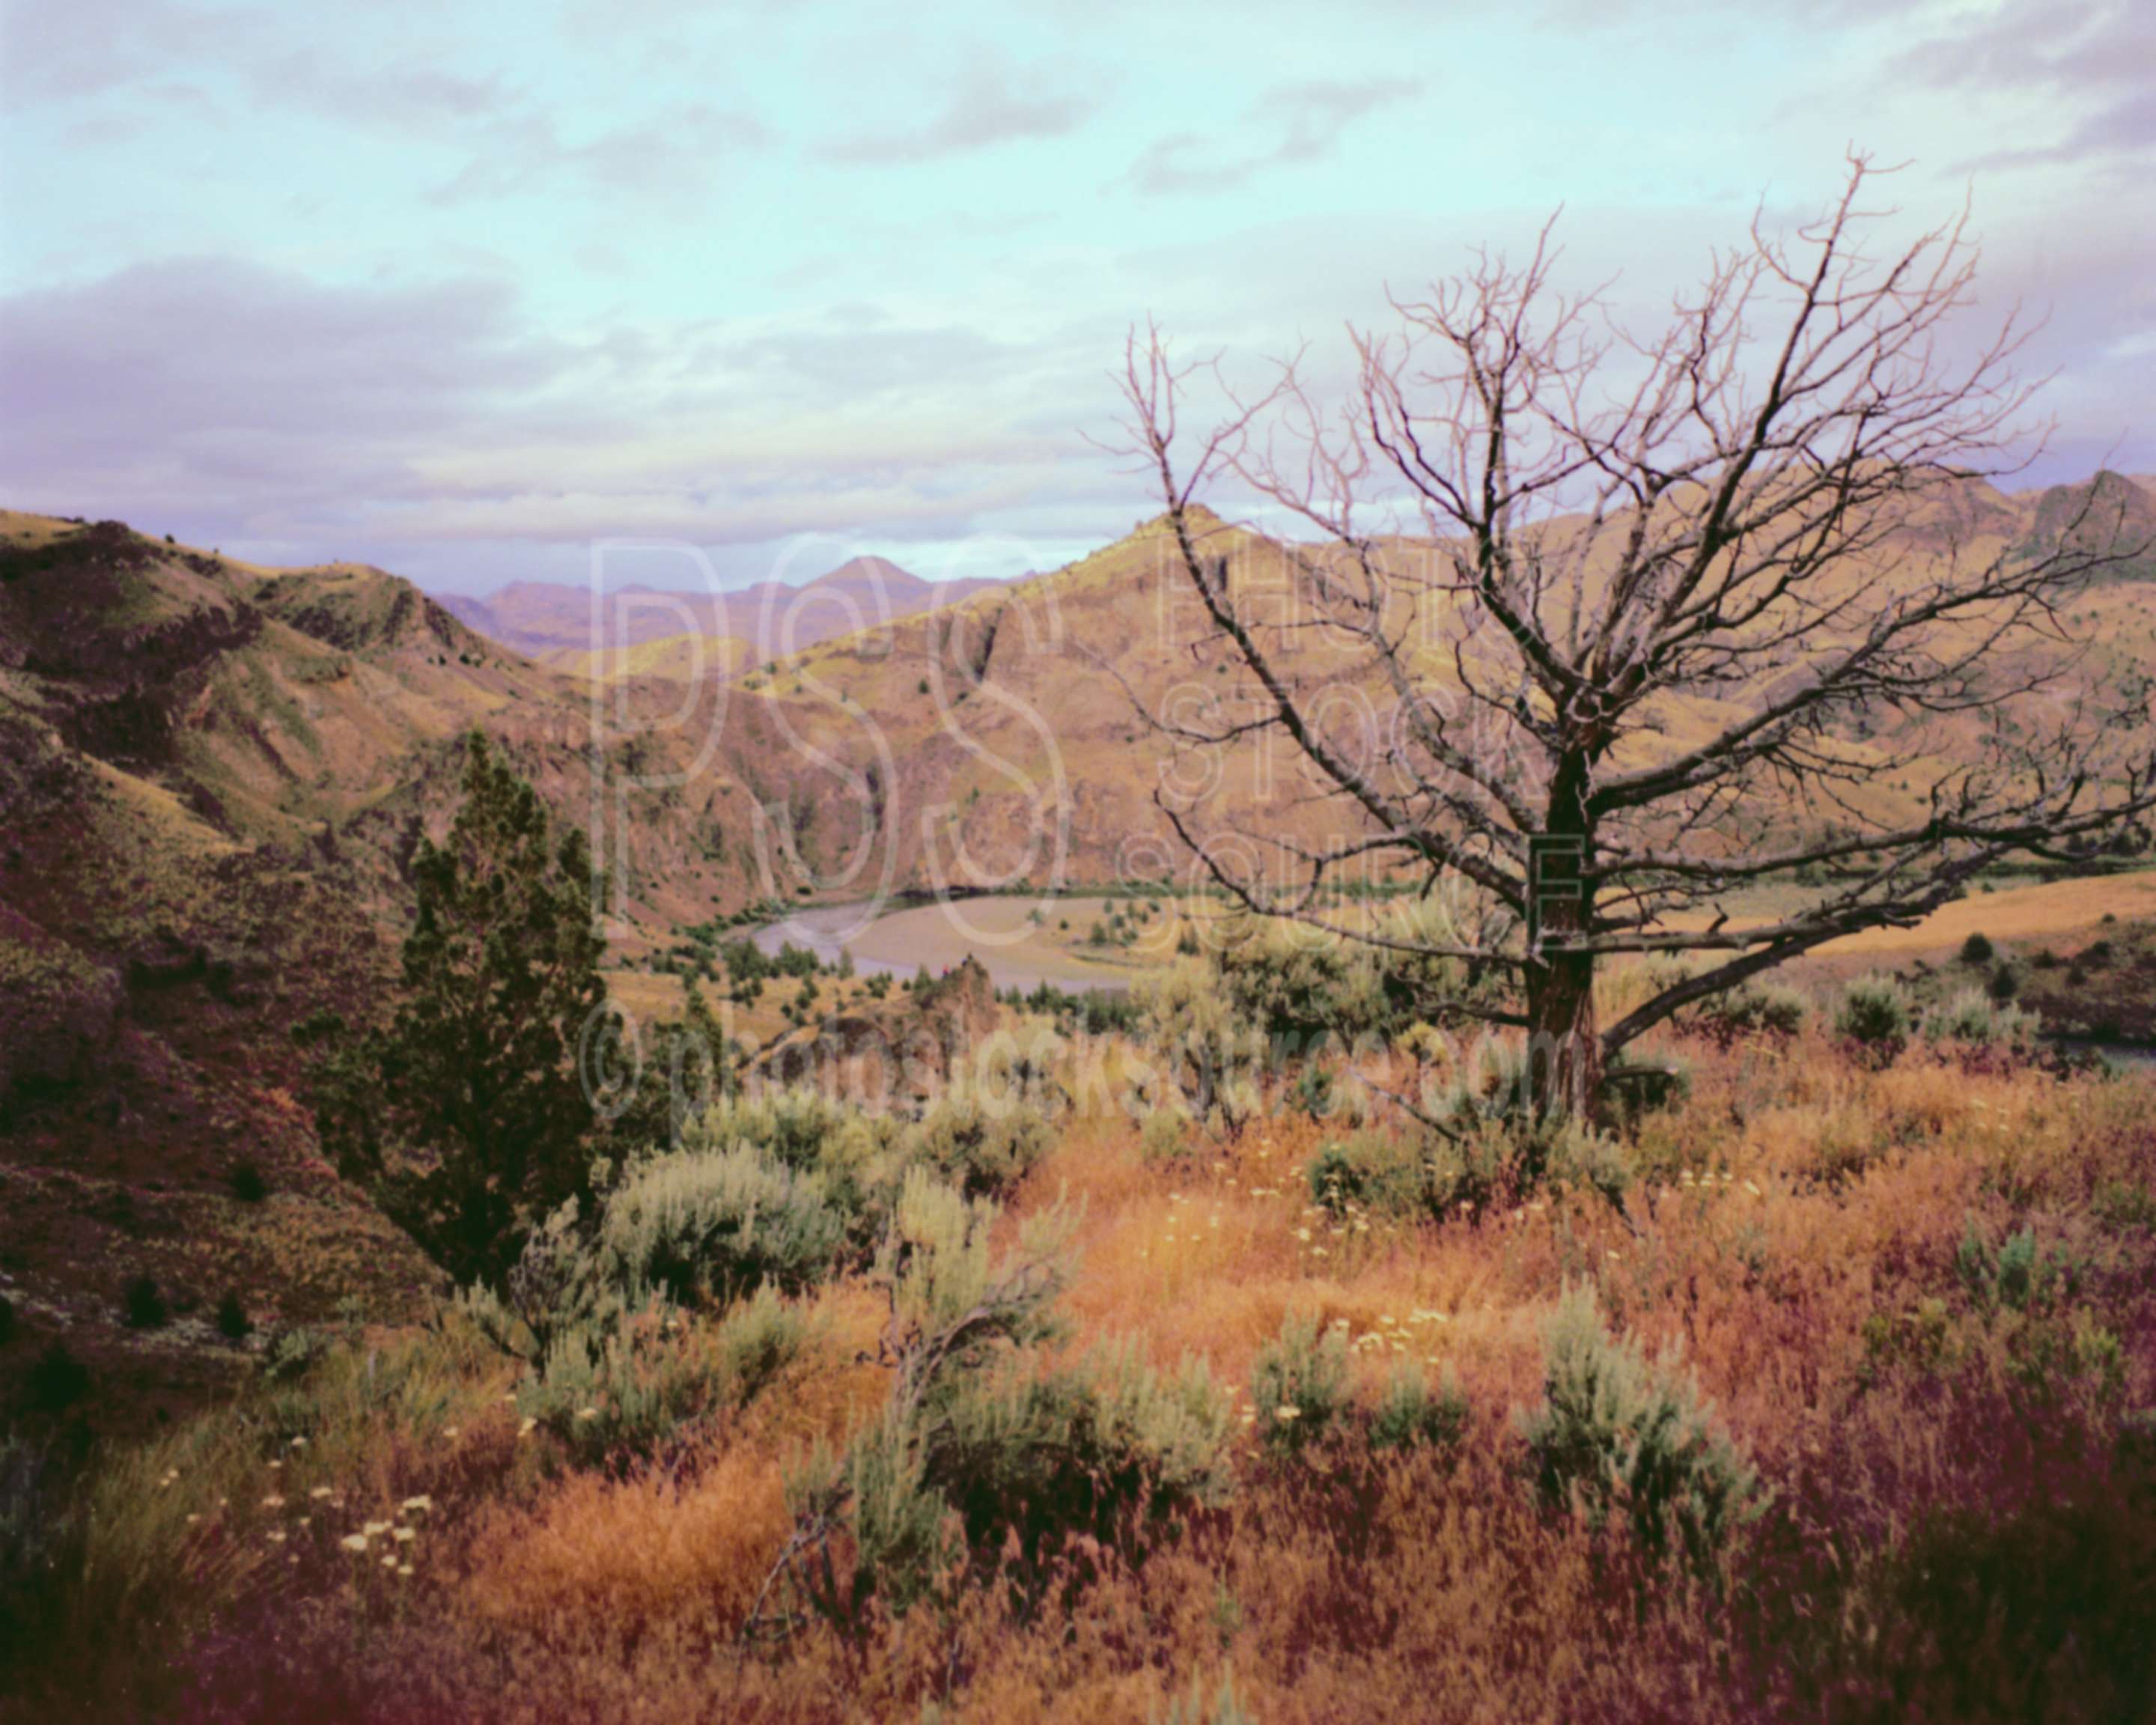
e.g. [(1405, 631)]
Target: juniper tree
[(466, 1114)]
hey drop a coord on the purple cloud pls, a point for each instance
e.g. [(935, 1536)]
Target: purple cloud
[(182, 389), (2096, 61)]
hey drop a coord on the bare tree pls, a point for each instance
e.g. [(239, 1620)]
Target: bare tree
[(1658, 619)]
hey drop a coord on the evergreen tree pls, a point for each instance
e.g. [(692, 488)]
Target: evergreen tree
[(466, 1115)]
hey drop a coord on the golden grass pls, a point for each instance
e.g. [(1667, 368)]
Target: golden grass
[(1797, 1218), (2052, 907)]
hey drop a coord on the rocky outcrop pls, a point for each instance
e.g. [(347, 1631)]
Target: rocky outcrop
[(895, 1053)]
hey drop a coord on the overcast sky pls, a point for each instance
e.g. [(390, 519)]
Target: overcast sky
[(459, 288)]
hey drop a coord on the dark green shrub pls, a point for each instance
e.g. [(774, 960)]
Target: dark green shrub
[(57, 1380), (1313, 1091), (1977, 949), (467, 1139), (232, 1320), (247, 1183), (1874, 1014), (144, 1307), (2017, 1274)]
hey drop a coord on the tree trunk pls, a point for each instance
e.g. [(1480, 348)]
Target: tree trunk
[(1565, 1047)]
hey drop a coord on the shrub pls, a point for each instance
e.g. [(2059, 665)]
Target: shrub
[(627, 1383), (1633, 1090), (1107, 1450), (715, 1225), (7, 1320), (57, 1380), (1874, 1014), (1977, 949), (1208, 1054), (290, 1354), (2120, 1203), (1293, 982), (232, 1320), (1165, 1136), (983, 1149), (1973, 1017), (248, 1185), (1578, 1156), (1772, 1009), (983, 1456), (1299, 1385), (1371, 1171), (2016, 1275), (144, 1307), (1618, 1436), (1408, 1414), (1313, 1091), (2003, 984)]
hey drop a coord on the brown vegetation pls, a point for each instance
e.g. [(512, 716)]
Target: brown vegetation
[(1917, 1297)]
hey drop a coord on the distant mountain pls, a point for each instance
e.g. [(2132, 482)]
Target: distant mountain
[(554, 621), (2111, 513)]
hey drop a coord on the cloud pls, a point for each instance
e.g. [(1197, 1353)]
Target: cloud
[(994, 104), (232, 403), (2095, 60), (213, 384), (1307, 120), (678, 151), (52, 50), (87, 48)]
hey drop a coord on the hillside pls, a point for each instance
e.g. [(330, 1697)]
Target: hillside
[(211, 775), (1011, 725), (546, 620), (211, 778)]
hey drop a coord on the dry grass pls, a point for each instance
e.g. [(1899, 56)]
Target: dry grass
[(1954, 1528)]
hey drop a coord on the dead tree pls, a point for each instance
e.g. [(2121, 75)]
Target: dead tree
[(1657, 619)]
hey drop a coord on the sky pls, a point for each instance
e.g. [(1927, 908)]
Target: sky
[(468, 290)]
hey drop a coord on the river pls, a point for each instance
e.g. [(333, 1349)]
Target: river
[(1020, 941)]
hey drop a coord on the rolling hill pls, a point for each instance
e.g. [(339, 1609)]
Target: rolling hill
[(772, 618)]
